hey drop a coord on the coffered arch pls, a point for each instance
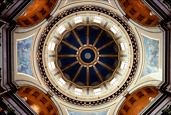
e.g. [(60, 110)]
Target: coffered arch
[(36, 12), (139, 12), (38, 100), (138, 100)]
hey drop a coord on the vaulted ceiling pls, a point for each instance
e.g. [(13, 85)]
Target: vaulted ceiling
[(88, 56)]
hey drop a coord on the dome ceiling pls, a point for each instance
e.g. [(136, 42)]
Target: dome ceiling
[(88, 55), (73, 55)]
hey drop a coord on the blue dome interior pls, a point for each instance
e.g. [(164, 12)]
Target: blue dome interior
[(99, 71)]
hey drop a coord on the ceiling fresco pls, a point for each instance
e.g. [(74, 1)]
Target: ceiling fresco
[(81, 113), (23, 55), (152, 56)]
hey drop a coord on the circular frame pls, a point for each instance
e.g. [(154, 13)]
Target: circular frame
[(132, 67), (90, 64)]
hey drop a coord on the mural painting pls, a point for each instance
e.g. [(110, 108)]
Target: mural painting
[(151, 47), (80, 113), (23, 56)]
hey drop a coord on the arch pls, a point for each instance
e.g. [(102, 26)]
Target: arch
[(138, 100), (36, 12), (38, 100), (139, 12)]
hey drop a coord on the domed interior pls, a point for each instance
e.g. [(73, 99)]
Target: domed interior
[(90, 54)]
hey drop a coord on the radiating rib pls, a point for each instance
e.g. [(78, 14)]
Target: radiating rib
[(87, 35), (76, 75), (108, 55), (98, 74), (87, 76), (105, 45), (97, 39), (106, 66), (68, 44), (67, 67), (77, 38), (66, 55)]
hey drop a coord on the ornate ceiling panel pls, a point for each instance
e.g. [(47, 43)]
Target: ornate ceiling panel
[(36, 12), (88, 56), (138, 100), (37, 100), (139, 12), (110, 44)]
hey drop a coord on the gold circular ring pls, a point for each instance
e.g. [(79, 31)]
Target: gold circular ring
[(96, 58)]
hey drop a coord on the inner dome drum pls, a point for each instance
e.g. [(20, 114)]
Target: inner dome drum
[(88, 55)]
